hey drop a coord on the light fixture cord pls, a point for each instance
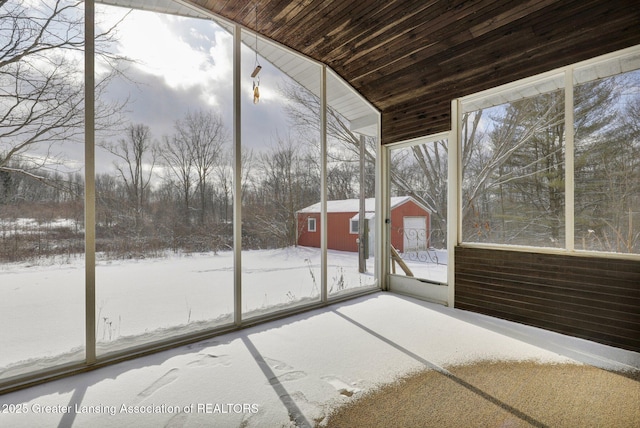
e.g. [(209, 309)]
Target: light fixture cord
[(256, 79), (256, 32)]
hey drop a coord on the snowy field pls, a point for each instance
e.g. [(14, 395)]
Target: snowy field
[(140, 301), (293, 371)]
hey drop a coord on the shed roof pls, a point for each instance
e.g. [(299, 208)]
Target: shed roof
[(353, 205)]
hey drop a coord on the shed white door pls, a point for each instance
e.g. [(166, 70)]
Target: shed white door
[(415, 233)]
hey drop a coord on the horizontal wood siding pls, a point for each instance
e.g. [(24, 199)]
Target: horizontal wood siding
[(338, 236), (592, 298), (305, 237)]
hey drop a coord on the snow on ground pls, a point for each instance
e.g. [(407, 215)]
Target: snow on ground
[(140, 301), (282, 373), (27, 225), (292, 371), (431, 265)]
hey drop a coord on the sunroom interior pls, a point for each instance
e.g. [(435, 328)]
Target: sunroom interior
[(515, 123)]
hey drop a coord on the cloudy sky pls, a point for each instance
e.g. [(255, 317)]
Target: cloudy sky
[(185, 64)]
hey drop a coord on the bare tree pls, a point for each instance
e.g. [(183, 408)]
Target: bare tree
[(288, 182), (178, 162), (41, 82), (342, 180), (304, 111), (224, 177), (193, 152), (136, 156), (109, 200), (518, 155), (514, 171), (421, 172), (204, 134), (224, 185)]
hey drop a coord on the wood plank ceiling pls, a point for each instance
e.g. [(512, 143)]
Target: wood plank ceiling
[(410, 58)]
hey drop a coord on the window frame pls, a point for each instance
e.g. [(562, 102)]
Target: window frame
[(353, 231), (627, 58), (327, 82)]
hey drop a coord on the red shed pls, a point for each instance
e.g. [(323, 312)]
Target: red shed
[(410, 224)]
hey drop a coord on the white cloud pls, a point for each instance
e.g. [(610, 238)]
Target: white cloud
[(184, 52), (146, 37), (185, 64)]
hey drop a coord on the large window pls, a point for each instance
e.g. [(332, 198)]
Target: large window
[(418, 207), (351, 155), (195, 226), (41, 189), (163, 231), (607, 157), (520, 163), (281, 175)]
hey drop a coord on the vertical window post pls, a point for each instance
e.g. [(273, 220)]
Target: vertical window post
[(323, 184), (569, 190), (237, 178), (454, 195), (89, 181)]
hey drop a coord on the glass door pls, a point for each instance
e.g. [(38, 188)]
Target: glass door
[(417, 173)]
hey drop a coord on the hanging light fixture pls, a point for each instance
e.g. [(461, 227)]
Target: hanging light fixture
[(257, 68)]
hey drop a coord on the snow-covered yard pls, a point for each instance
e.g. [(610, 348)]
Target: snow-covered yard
[(139, 301)]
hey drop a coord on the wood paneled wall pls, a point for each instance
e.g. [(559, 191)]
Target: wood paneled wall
[(592, 298)]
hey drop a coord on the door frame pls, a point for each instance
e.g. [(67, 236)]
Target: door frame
[(422, 288)]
